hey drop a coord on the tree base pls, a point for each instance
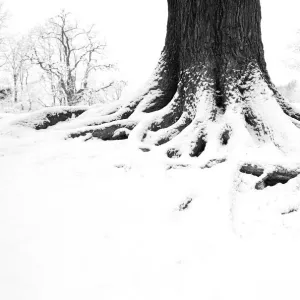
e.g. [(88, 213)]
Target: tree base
[(199, 116)]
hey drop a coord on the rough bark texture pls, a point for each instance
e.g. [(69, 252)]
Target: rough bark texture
[(219, 33)]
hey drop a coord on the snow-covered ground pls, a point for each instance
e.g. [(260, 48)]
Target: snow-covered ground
[(104, 220)]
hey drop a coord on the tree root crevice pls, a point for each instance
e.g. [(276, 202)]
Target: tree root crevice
[(169, 133)]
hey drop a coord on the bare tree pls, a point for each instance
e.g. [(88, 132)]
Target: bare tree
[(14, 58), (114, 90), (42, 53), (68, 54), (105, 93)]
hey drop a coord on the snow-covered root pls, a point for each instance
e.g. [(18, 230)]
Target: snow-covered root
[(105, 128), (155, 95), (199, 121), (189, 136), (269, 176), (252, 119), (190, 143), (114, 113), (167, 134), (162, 118), (276, 126), (173, 117), (192, 124), (164, 125), (117, 130), (168, 123), (151, 125), (47, 117)]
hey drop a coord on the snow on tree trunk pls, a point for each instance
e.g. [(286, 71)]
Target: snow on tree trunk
[(210, 91), (212, 70)]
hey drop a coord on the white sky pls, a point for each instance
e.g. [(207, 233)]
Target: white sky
[(135, 29)]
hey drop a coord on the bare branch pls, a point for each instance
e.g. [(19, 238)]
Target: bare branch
[(68, 54)]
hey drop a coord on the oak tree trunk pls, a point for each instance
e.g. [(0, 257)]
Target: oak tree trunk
[(220, 33), (222, 36)]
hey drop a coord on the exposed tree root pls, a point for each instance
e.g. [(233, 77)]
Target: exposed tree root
[(118, 131), (156, 94), (195, 113), (278, 175), (50, 117), (167, 116), (169, 133), (281, 175), (113, 131), (254, 170), (184, 125)]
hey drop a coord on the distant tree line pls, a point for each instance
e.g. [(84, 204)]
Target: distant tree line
[(57, 63)]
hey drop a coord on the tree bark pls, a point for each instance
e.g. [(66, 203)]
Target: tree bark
[(222, 37), (216, 32)]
